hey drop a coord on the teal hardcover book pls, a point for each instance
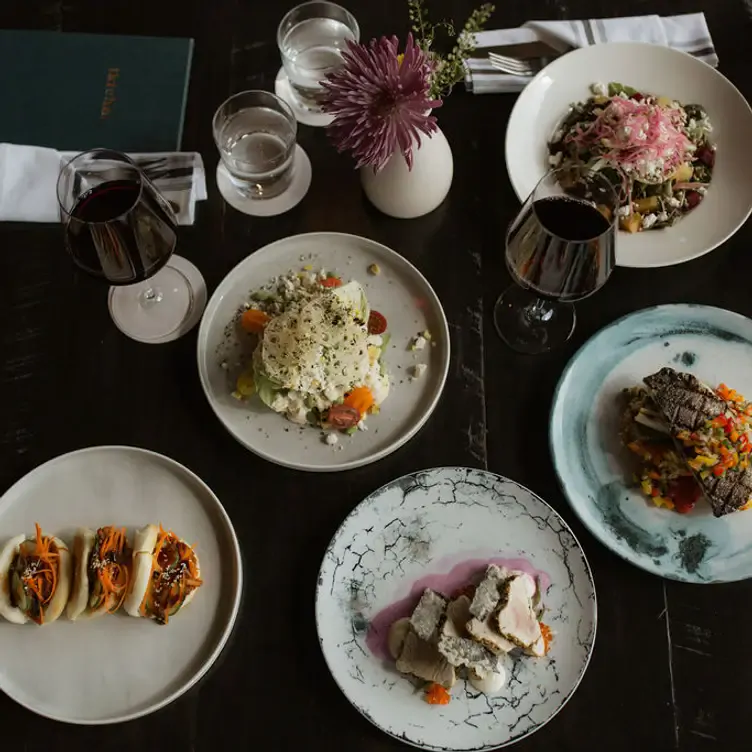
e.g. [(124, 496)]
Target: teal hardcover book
[(80, 91)]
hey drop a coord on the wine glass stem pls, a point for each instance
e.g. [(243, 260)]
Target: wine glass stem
[(150, 297), (538, 311)]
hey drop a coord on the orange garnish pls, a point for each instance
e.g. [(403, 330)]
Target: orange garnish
[(41, 582), (112, 575), (361, 398), (437, 695), (254, 321), (548, 636), (331, 282)]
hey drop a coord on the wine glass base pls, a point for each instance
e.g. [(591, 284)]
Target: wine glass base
[(302, 114), (529, 330), (269, 207), (179, 301)]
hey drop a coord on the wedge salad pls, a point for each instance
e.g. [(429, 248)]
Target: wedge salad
[(656, 151), (317, 351)]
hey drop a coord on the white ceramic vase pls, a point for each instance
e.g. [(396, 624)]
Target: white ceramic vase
[(407, 193)]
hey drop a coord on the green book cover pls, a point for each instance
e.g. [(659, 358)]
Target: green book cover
[(74, 92)]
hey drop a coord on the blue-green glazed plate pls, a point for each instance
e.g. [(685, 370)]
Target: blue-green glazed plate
[(594, 469)]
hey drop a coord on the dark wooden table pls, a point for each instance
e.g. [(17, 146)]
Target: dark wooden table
[(671, 666)]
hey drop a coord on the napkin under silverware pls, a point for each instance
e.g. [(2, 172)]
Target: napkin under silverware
[(28, 181), (688, 32)]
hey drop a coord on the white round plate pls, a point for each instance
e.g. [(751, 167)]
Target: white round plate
[(117, 668), (400, 292), (408, 535), (658, 70), (595, 469)]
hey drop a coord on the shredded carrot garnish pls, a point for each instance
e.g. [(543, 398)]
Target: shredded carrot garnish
[(113, 574), (361, 398), (254, 321), (437, 695), (40, 577), (548, 636)]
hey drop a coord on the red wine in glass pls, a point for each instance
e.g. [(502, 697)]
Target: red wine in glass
[(119, 228), (120, 232), (561, 247)]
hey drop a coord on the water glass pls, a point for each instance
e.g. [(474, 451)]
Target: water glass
[(311, 38), (255, 133)]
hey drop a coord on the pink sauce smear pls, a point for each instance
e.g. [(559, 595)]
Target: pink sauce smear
[(466, 573)]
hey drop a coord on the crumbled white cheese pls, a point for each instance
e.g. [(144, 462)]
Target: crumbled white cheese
[(663, 217), (418, 370), (555, 159), (648, 221), (331, 439), (702, 190), (362, 426), (419, 343), (599, 89), (624, 211), (674, 203)]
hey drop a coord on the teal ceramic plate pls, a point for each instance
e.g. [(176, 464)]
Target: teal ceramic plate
[(595, 470)]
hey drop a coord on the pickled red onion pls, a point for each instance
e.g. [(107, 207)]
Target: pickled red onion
[(640, 138)]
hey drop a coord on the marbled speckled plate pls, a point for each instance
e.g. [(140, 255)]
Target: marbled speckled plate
[(400, 292), (428, 523), (593, 467)]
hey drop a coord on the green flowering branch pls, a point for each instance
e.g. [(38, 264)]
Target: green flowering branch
[(450, 68)]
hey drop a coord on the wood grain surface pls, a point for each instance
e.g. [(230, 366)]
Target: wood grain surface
[(670, 667)]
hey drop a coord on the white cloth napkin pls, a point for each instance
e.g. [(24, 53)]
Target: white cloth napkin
[(28, 181), (688, 32)]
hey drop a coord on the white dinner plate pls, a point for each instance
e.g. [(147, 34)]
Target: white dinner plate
[(116, 668), (400, 292), (434, 529), (657, 70)]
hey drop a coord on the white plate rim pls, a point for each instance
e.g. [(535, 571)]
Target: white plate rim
[(226, 632), (597, 533), (201, 353), (588, 571), (637, 46)]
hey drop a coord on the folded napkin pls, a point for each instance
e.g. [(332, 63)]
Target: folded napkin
[(688, 32), (28, 181)]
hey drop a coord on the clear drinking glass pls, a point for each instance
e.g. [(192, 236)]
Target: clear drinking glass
[(118, 227), (255, 133), (560, 248), (311, 38)]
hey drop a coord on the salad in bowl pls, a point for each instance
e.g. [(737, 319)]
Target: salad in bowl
[(316, 351)]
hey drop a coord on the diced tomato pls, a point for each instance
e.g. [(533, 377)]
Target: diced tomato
[(376, 323), (342, 417), (684, 492), (637, 97), (331, 282)]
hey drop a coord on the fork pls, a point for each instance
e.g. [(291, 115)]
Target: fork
[(516, 67)]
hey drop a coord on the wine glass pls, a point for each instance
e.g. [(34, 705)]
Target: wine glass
[(118, 227), (560, 248)]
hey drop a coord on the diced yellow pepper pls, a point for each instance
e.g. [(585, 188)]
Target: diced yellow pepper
[(632, 223)]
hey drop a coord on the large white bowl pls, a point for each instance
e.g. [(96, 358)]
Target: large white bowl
[(658, 70)]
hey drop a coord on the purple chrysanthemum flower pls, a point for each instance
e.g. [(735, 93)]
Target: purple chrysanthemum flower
[(380, 100)]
